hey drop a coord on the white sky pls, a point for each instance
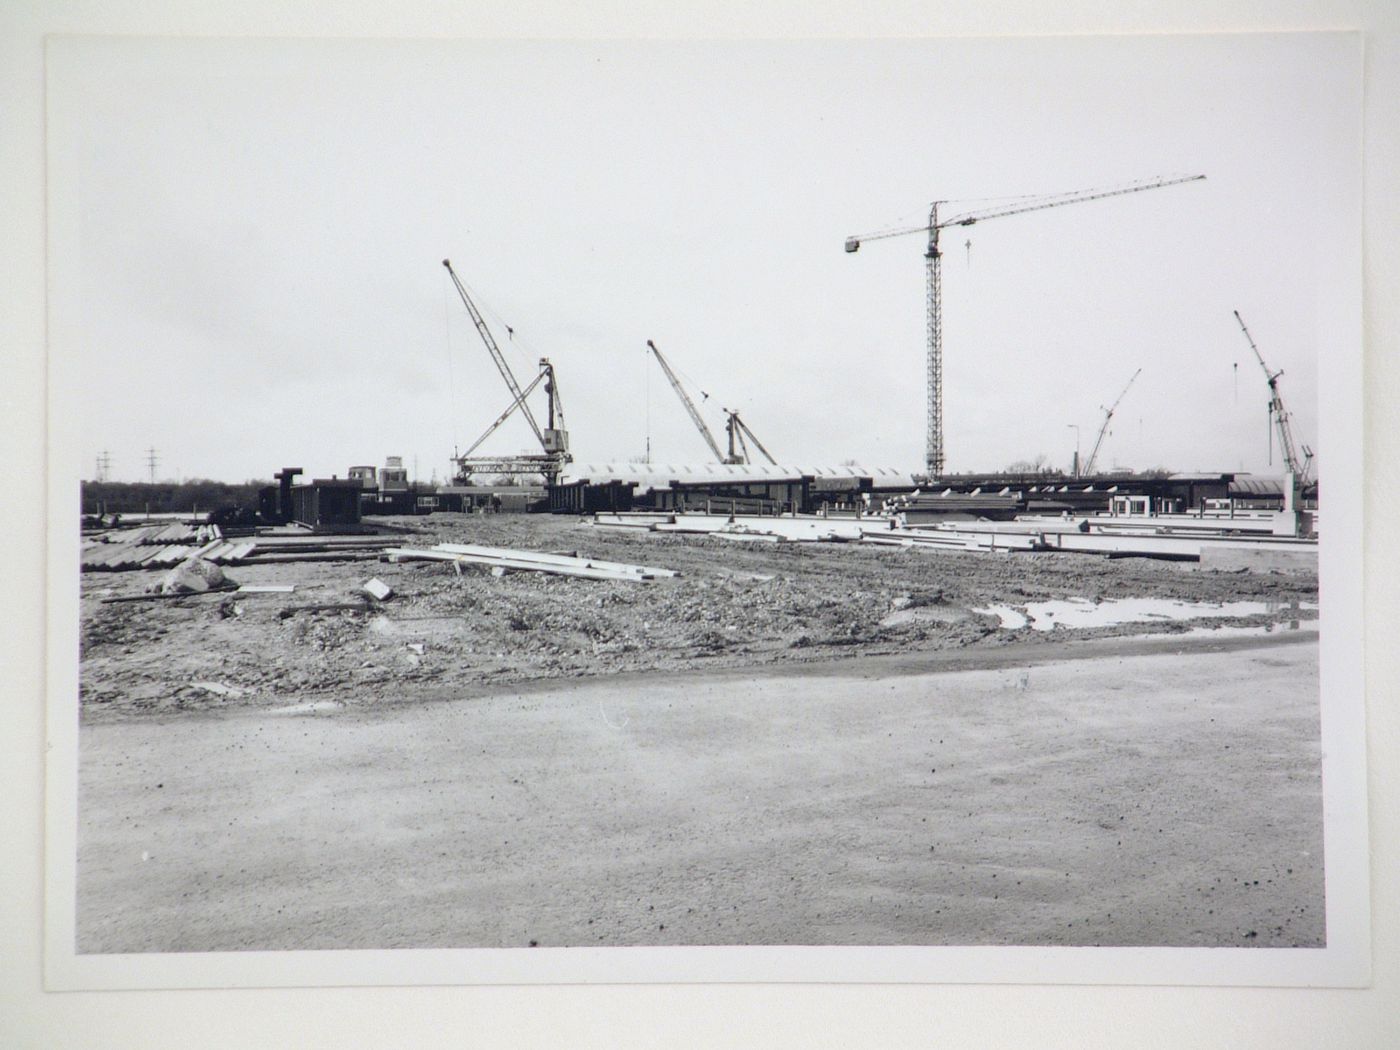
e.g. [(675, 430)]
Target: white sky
[(255, 275)]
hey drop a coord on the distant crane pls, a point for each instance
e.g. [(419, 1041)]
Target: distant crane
[(691, 409), (1281, 419), (1088, 470), (738, 447), (553, 438), (934, 449)]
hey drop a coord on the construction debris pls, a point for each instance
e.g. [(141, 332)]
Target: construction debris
[(760, 603), (378, 590), (123, 549), (505, 559), (218, 689), (292, 610), (1161, 536), (194, 575)]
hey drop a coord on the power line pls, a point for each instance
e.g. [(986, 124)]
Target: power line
[(151, 460)]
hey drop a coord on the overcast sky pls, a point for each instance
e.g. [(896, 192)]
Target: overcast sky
[(249, 235)]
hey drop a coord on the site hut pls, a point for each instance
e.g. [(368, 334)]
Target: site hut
[(367, 476), (387, 490), (394, 476)]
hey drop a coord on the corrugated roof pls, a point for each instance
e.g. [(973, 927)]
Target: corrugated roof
[(1257, 487), (660, 475)]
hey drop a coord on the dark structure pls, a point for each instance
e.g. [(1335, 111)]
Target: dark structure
[(327, 502), (840, 494), (583, 497), (488, 499), (378, 501), (275, 503), (766, 496)]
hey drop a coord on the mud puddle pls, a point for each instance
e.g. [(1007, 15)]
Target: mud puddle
[(1079, 613)]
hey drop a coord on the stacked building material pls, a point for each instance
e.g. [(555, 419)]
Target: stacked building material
[(144, 550), (292, 547), (165, 535), (962, 537), (113, 557), (634, 520), (930, 506), (502, 560)]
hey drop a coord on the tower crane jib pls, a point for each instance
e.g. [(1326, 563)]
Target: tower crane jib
[(934, 447)]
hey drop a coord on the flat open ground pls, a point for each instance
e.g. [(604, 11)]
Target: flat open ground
[(781, 767)]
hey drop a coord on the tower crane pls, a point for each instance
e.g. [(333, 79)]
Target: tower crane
[(553, 437), (934, 449), (1088, 469), (690, 407), (1281, 419)]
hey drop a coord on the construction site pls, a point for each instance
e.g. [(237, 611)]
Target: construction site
[(754, 700)]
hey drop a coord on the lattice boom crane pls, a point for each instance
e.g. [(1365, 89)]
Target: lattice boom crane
[(934, 450), (553, 438), (690, 408), (1088, 468), (739, 437), (1282, 420)]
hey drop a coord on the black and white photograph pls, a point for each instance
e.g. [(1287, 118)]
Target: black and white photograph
[(715, 510)]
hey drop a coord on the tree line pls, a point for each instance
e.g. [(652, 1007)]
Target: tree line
[(167, 497)]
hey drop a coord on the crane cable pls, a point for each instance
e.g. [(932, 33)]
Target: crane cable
[(453, 408), (484, 308)]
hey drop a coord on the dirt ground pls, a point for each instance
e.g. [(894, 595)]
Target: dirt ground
[(735, 605), (745, 755), (1126, 798)]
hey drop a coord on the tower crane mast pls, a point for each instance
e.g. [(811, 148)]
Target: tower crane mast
[(1088, 469), (935, 455), (1301, 469)]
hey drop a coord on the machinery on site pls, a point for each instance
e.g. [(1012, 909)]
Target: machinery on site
[(935, 453), (1280, 420), (553, 436), (1088, 468), (738, 445), (738, 430)]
